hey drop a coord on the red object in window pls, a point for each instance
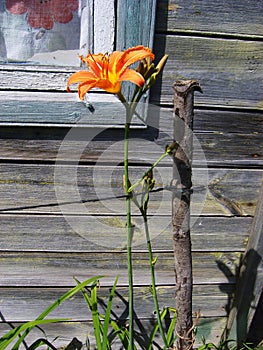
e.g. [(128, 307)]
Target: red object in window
[(43, 13)]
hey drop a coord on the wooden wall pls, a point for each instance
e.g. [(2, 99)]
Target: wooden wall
[(219, 43)]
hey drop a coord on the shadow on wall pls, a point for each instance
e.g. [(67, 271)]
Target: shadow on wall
[(240, 302), (159, 46), (255, 335)]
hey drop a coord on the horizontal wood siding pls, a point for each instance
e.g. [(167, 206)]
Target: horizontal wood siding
[(50, 234), (230, 72), (35, 232), (206, 17)]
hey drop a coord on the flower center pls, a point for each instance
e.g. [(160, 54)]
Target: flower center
[(105, 66)]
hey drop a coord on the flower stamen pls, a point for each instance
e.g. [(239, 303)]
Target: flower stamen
[(109, 70)]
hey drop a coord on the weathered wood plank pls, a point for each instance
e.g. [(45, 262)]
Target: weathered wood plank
[(223, 136), (62, 333), (29, 269), (21, 77), (233, 71), (209, 300), (136, 21), (229, 71), (30, 188), (213, 149), (21, 108), (215, 120), (62, 109), (104, 18), (49, 233), (242, 18), (250, 281)]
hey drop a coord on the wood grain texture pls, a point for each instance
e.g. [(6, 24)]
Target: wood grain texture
[(30, 188), (32, 301), (55, 233), (46, 269), (249, 284), (229, 71), (41, 250), (240, 18), (24, 77), (61, 109), (210, 149), (63, 333), (104, 18), (135, 26)]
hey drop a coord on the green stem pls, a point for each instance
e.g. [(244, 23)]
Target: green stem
[(137, 183), (129, 113), (154, 292), (129, 228)]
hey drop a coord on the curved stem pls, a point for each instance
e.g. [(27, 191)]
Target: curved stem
[(137, 183), (154, 292)]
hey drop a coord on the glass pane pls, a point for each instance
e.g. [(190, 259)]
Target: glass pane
[(43, 32)]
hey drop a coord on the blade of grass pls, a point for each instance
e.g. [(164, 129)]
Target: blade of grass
[(11, 335), (92, 304), (85, 294), (67, 295), (107, 316), (64, 297), (155, 329), (40, 342), (122, 333), (95, 316), (170, 333)]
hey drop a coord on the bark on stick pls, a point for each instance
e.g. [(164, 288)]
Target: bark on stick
[(182, 174)]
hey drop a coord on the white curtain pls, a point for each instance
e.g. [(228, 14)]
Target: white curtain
[(21, 42)]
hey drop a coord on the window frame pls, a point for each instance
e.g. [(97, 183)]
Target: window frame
[(134, 25)]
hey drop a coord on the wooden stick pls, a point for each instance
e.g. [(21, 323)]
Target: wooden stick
[(182, 174)]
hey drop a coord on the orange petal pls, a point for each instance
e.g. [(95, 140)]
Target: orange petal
[(133, 55), (108, 86), (84, 88), (133, 76), (81, 77), (95, 63), (114, 59)]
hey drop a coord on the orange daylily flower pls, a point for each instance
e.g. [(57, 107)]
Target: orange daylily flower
[(108, 71)]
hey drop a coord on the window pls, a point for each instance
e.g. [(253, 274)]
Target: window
[(55, 32), (40, 41)]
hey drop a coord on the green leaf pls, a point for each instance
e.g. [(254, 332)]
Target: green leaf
[(67, 295), (39, 342), (121, 332), (95, 316), (64, 297), (170, 333), (107, 316), (155, 329), (11, 335), (92, 304)]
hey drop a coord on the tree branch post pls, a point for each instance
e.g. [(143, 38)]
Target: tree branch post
[(182, 182)]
